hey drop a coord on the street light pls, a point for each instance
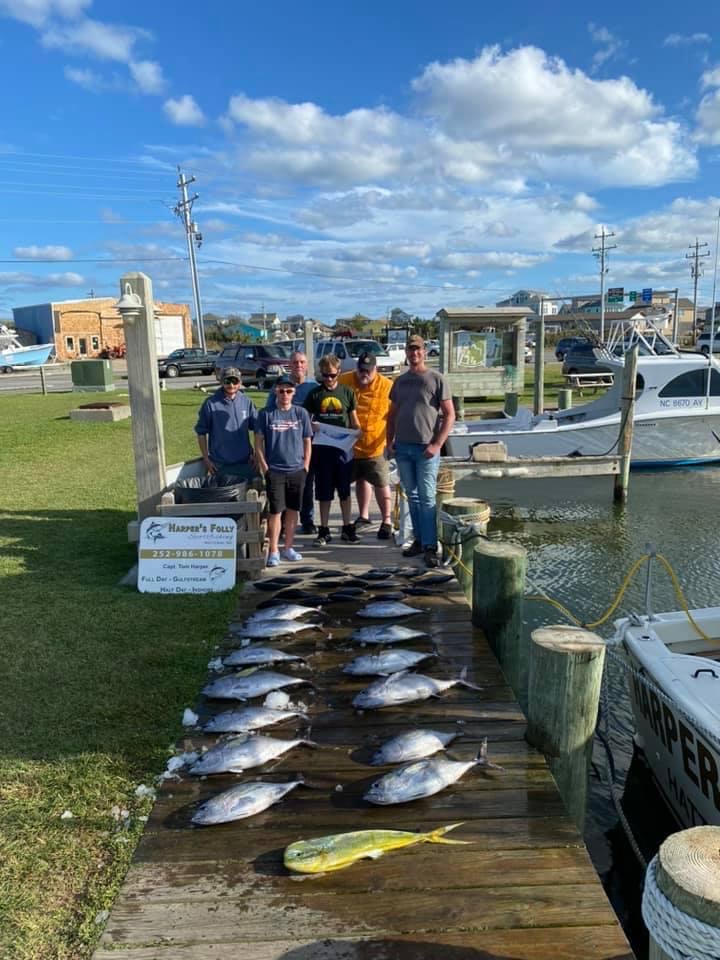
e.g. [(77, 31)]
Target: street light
[(129, 305)]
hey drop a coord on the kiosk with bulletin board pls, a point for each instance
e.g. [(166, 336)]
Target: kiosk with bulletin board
[(482, 349)]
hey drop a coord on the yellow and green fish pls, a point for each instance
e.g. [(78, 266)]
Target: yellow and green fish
[(339, 850)]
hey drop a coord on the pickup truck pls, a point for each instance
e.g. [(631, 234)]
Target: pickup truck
[(189, 360)]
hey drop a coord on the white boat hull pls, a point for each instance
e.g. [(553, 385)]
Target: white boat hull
[(657, 441), (678, 732)]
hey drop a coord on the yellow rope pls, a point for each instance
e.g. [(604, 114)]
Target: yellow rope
[(455, 558), (681, 597)]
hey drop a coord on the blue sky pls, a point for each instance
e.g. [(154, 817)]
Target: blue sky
[(357, 156)]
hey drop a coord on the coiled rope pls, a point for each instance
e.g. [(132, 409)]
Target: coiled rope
[(681, 936)]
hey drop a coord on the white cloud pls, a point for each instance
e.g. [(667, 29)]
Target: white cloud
[(184, 111), (609, 44), (37, 12), (708, 111), (105, 41), (686, 40), (148, 76), (48, 252), (477, 261), (85, 78), (30, 280)]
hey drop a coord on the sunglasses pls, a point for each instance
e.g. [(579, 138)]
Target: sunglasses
[(329, 376), (285, 389), (230, 380)]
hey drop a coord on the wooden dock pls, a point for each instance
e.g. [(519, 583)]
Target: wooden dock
[(524, 889)]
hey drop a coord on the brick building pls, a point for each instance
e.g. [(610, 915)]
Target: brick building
[(87, 328)]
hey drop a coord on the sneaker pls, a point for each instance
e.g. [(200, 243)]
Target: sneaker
[(363, 522), (349, 534), (385, 531), (273, 560), (414, 550), (323, 537), (431, 557), (308, 527), (291, 555)]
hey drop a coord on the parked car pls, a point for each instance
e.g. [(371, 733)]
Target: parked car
[(188, 360), (566, 344), (347, 352), (583, 360), (702, 344), (258, 363), (432, 348)]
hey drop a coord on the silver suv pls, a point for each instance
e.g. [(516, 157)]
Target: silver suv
[(348, 351), (703, 343)]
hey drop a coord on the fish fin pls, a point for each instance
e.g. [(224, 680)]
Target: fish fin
[(373, 854), (438, 836), (461, 682), (309, 743), (482, 760)]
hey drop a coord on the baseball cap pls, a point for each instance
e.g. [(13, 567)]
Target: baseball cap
[(231, 372), (415, 341), (285, 381), (366, 361)]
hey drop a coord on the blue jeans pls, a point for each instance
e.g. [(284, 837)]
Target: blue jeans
[(418, 476)]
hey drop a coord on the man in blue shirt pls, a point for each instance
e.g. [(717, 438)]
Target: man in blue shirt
[(223, 431), (283, 443), (303, 386)]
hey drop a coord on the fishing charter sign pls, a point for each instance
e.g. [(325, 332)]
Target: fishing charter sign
[(187, 554)]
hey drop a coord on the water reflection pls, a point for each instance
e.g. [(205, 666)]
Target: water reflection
[(580, 546)]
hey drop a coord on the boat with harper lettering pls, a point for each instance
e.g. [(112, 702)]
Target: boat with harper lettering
[(674, 683), (14, 354), (676, 422)]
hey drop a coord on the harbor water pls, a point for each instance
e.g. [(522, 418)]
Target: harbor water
[(580, 546)]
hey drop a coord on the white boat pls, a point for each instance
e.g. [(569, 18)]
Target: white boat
[(677, 419), (675, 692), (14, 354)]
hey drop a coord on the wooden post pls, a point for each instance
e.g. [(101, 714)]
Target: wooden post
[(539, 386), (143, 387), (497, 607), (459, 405), (43, 384), (566, 667), (627, 418), (310, 348), (687, 871), (475, 512)]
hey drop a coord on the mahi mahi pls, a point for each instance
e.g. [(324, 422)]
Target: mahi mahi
[(245, 686), (404, 688), (249, 718), (243, 753), (412, 745), (423, 778), (343, 849), (243, 800)]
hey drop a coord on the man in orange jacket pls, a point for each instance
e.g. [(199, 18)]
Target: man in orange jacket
[(370, 466)]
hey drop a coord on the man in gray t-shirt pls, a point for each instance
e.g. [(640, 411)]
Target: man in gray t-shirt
[(421, 417)]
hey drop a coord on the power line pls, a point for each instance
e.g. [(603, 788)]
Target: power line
[(140, 259), (69, 156), (696, 272)]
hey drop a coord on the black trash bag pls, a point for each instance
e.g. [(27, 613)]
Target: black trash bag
[(207, 490)]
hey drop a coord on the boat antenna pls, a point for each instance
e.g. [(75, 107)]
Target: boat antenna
[(712, 314), (651, 551)]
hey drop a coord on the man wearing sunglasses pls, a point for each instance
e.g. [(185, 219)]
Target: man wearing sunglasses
[(283, 439), (421, 417), (223, 430), (332, 403)]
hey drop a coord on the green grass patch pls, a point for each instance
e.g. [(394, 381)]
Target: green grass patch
[(95, 676)]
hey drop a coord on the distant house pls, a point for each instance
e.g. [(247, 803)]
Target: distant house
[(534, 299), (89, 328)]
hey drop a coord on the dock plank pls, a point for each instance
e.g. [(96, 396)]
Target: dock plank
[(522, 889)]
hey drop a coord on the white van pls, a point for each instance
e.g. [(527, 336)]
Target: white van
[(347, 352)]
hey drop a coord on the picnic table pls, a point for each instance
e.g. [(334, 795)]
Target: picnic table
[(584, 380)]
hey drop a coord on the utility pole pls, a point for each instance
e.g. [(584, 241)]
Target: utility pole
[(696, 272), (601, 253), (183, 210)]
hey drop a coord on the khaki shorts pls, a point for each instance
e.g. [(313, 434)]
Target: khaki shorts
[(373, 469)]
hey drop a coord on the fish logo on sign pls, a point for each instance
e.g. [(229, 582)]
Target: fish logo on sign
[(155, 531)]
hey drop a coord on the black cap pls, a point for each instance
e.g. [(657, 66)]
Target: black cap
[(366, 361), (285, 380)]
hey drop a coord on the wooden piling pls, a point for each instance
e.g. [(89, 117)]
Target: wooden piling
[(497, 606), (565, 676), (627, 419), (539, 365), (687, 871), (475, 512)]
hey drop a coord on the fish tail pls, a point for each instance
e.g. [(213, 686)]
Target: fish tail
[(438, 836), (309, 743), (482, 758)]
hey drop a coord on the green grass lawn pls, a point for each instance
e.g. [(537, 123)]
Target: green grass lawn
[(95, 676)]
